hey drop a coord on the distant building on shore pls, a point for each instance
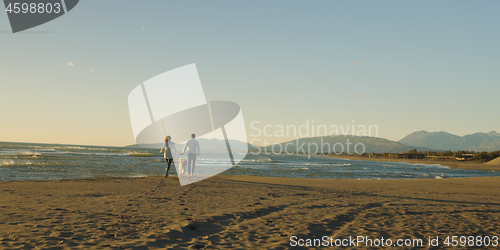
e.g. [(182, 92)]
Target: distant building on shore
[(409, 156)]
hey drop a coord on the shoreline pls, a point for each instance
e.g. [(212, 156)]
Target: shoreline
[(455, 165), (452, 165)]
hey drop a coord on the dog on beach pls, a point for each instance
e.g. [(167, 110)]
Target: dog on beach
[(182, 167)]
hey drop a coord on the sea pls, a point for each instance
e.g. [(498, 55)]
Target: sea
[(27, 161)]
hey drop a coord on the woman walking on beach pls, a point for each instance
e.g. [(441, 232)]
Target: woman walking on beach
[(167, 147)]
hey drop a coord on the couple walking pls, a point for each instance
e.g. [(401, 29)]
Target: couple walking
[(193, 150)]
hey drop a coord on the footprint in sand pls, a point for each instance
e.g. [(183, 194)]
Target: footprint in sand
[(197, 246)]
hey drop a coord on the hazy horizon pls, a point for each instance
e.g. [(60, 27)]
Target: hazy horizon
[(218, 139)]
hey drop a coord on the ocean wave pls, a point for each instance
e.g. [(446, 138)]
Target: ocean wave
[(21, 163), (47, 150), (81, 148), (432, 165), (341, 164), (18, 152), (6, 163), (140, 154), (329, 164), (212, 161), (262, 160), (97, 154)]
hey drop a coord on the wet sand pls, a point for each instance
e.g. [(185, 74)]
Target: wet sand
[(240, 212)]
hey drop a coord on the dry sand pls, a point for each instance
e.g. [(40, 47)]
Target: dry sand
[(239, 212)]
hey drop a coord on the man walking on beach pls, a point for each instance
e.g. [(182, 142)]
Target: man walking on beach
[(193, 147)]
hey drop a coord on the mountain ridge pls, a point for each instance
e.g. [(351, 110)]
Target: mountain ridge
[(371, 145), (205, 143), (443, 140)]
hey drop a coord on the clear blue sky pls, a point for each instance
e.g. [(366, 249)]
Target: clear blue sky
[(422, 65)]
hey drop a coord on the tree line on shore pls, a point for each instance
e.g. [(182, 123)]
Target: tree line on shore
[(460, 155)]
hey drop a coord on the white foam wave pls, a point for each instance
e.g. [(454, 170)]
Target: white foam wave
[(327, 164), (433, 165), (7, 163), (81, 148), (97, 154), (18, 152)]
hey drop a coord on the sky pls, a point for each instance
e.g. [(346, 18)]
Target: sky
[(404, 66)]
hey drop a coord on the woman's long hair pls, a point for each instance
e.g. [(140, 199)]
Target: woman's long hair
[(168, 138)]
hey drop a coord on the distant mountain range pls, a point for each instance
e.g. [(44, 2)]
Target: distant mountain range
[(420, 140), (372, 145), (446, 141), (213, 144)]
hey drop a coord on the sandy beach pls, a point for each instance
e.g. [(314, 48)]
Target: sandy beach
[(240, 212)]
